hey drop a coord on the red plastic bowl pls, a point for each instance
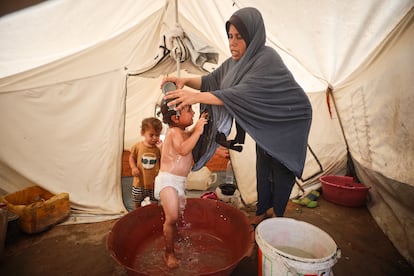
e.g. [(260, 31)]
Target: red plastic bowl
[(343, 190)]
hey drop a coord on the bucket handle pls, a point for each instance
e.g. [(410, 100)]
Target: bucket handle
[(292, 270)]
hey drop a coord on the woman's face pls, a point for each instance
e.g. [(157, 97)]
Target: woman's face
[(237, 44)]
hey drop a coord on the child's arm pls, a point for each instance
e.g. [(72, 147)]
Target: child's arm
[(183, 144), (159, 145), (133, 164)]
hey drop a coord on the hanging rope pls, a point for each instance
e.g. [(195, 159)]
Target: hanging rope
[(350, 167), (328, 100)]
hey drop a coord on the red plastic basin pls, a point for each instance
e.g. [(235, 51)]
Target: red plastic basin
[(343, 190), (210, 222)]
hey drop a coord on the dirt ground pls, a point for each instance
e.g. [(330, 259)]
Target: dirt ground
[(81, 249)]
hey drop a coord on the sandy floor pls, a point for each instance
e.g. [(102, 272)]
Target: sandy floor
[(81, 249)]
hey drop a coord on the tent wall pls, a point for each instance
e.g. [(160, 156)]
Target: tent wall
[(63, 68), (64, 92), (376, 106), (68, 138), (64, 40)]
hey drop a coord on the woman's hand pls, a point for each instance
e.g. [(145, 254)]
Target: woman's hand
[(181, 98), (179, 82)]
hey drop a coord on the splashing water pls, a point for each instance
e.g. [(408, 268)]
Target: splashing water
[(198, 252)]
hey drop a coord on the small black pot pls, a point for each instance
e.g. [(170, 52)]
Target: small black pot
[(227, 189)]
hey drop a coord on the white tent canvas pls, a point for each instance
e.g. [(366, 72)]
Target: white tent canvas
[(68, 107)]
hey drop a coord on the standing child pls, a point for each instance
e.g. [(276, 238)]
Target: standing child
[(144, 160), (176, 163)]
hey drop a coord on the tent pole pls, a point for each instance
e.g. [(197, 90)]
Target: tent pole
[(177, 23)]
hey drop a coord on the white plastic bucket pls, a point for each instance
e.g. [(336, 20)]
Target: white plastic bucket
[(292, 247)]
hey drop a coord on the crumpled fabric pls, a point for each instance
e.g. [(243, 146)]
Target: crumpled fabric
[(219, 121), (176, 45)]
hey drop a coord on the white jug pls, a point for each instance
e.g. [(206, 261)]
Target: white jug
[(201, 179)]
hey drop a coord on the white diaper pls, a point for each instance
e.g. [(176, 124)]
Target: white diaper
[(165, 179)]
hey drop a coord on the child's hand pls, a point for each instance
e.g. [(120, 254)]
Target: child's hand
[(135, 172), (159, 144), (199, 126)]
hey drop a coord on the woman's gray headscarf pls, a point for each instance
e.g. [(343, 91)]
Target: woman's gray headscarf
[(261, 94)]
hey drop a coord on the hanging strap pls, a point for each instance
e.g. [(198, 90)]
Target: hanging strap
[(231, 144)]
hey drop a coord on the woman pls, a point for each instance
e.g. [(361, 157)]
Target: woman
[(259, 92)]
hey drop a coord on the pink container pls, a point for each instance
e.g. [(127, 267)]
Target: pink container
[(343, 190)]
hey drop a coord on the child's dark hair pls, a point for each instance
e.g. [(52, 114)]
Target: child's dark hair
[(151, 122), (167, 112)]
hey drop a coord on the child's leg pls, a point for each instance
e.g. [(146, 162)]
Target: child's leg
[(149, 193), (137, 196), (170, 205)]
